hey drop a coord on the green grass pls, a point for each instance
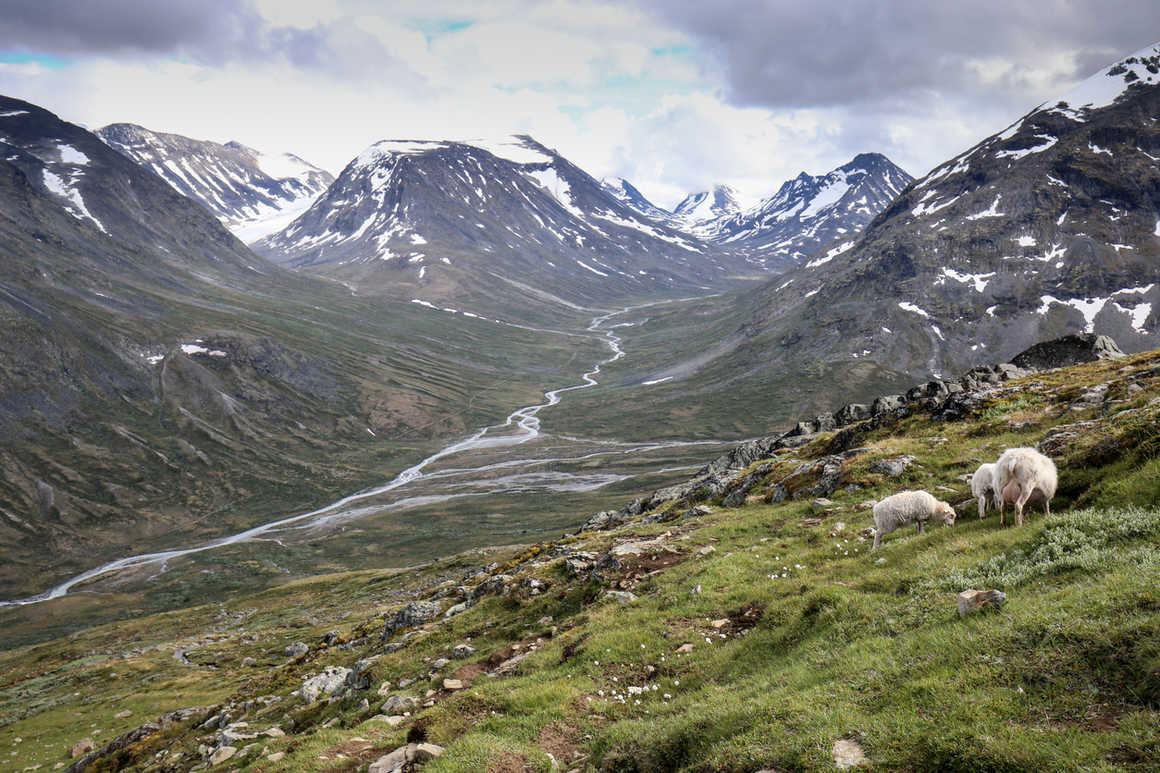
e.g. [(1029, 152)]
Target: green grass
[(826, 641)]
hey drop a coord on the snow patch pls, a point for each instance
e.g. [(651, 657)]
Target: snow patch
[(908, 306)]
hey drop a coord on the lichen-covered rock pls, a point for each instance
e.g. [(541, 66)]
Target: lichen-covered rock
[(413, 614), (406, 759), (972, 600), (894, 466), (397, 704), (332, 681), (297, 649)]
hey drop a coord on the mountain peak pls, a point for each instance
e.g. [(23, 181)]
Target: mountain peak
[(697, 208)]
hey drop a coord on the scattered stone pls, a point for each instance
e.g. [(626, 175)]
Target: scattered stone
[(222, 754), (700, 511), (273, 732), (706, 550), (637, 548), (837, 528), (123, 714), (894, 466), (394, 720), (820, 504), (248, 661), (862, 507), (297, 649), (385, 689), (719, 624), (331, 638), (397, 704), (972, 600), (623, 596), (82, 747), (406, 759), (452, 684), (880, 561), (684, 649), (462, 606), (466, 650), (848, 754), (545, 620), (331, 681), (696, 591), (411, 615), (276, 756), (440, 663)]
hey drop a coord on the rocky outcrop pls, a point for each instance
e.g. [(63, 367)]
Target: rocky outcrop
[(411, 615), (945, 400), (1068, 350)]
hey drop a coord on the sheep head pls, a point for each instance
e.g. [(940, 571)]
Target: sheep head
[(946, 511)]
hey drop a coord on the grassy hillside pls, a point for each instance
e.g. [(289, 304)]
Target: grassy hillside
[(755, 638)]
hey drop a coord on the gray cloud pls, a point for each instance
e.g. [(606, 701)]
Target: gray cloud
[(787, 53), (203, 29), (210, 32)]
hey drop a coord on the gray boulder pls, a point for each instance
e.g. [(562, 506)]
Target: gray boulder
[(297, 649), (406, 759), (1068, 350), (894, 466), (397, 704), (332, 681), (413, 614)]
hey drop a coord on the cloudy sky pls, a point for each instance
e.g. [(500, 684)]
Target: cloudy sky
[(674, 95)]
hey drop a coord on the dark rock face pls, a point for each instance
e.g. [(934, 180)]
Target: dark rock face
[(1068, 350)]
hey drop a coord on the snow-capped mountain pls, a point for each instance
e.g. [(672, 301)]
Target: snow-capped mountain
[(811, 212), (442, 215), (698, 209), (633, 198), (253, 193), (1049, 227)]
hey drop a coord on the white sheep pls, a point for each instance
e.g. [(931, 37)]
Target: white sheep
[(983, 487), (908, 507), (1022, 474)]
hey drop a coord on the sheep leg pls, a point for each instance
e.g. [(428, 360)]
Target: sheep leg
[(1047, 507), (922, 527), (982, 506), (1024, 495), (877, 540)]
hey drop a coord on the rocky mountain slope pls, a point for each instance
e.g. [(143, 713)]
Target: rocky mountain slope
[(159, 382), (1046, 228), (697, 210), (631, 197), (252, 192), (467, 222), (810, 213), (752, 631)]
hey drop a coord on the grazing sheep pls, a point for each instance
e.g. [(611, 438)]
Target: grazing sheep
[(1020, 475), (908, 507), (983, 487)]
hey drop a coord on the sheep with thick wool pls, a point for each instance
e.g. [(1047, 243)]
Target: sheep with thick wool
[(909, 507), (983, 487), (1023, 475)]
